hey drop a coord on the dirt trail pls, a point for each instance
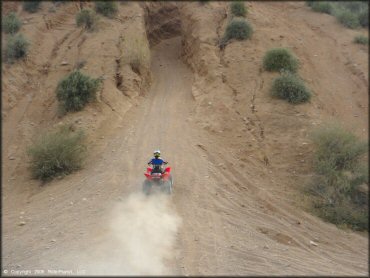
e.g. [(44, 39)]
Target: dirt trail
[(222, 217)]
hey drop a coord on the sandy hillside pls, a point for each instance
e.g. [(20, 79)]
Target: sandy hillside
[(238, 156)]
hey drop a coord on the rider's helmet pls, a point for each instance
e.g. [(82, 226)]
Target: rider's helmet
[(157, 153)]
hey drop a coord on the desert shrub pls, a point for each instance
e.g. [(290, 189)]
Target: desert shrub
[(76, 90), (56, 153), (291, 88), (351, 14), (106, 8), (363, 18), (11, 23), (310, 3), (238, 8), (87, 18), (338, 148), (278, 59), (16, 48), (353, 6), (237, 29), (348, 19), (322, 7), (340, 173), (361, 39), (31, 6)]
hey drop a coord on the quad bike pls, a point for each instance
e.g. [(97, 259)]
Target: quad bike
[(159, 178)]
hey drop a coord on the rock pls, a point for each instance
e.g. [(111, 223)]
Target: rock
[(53, 240), (265, 247), (22, 212), (11, 157), (63, 63), (313, 243), (84, 199), (22, 223)]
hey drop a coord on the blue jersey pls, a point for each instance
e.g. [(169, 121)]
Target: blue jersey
[(156, 161)]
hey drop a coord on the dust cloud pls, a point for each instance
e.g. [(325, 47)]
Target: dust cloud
[(138, 240)]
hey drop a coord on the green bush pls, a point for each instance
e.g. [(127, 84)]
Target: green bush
[(238, 8), (354, 6), (361, 39), (16, 48), (56, 153), (322, 7), (278, 59), (31, 6), (76, 90), (291, 88), (340, 174), (351, 14), (363, 18), (338, 148), (310, 3), (348, 19), (106, 8), (11, 23), (87, 18), (238, 29)]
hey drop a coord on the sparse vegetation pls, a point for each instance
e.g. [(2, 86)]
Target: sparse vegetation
[(87, 18), (203, 2), (291, 88), (16, 48), (361, 39), (278, 59), (31, 6), (322, 7), (348, 19), (364, 18), (76, 90), (351, 14), (237, 29), (238, 8), (56, 153), (11, 23), (340, 187), (106, 8)]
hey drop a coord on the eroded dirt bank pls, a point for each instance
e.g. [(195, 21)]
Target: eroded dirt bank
[(234, 207)]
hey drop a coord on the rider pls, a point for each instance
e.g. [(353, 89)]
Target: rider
[(157, 162)]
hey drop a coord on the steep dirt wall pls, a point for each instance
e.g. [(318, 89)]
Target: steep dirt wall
[(233, 91), (58, 46)]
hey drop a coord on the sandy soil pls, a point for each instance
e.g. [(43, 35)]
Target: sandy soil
[(234, 209)]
